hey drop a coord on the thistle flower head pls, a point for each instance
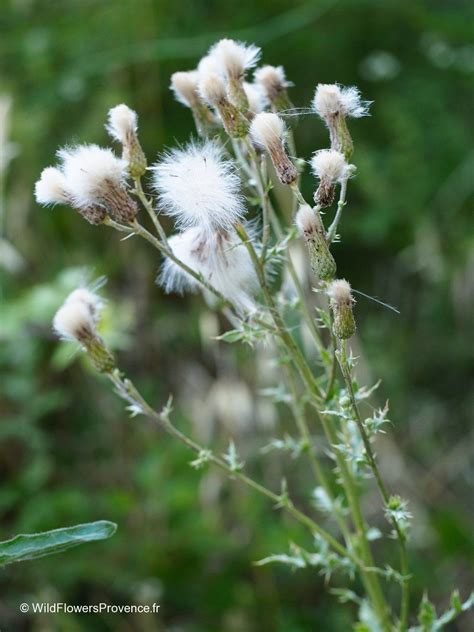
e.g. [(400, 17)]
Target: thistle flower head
[(305, 219), (95, 178), (88, 169), (234, 58), (339, 292), (199, 187), (51, 188), (330, 165), (122, 123), (331, 99), (268, 130), (185, 86), (75, 320), (309, 224), (220, 258), (272, 79), (341, 302)]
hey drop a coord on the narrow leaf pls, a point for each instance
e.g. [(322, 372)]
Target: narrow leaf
[(31, 546)]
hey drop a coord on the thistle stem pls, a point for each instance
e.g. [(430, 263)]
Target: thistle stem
[(346, 372), (150, 210), (129, 392), (332, 230)]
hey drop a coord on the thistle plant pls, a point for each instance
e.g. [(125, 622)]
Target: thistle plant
[(232, 243)]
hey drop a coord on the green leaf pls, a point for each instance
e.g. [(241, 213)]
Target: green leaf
[(31, 546)]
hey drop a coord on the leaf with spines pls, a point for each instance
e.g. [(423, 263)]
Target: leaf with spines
[(232, 458), (34, 545)]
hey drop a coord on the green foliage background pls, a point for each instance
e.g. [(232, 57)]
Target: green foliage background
[(68, 453)]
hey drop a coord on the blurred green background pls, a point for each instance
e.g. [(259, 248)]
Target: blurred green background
[(68, 452)]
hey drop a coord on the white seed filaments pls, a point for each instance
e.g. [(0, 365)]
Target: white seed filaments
[(232, 59), (341, 302), (52, 188), (273, 82), (198, 187), (213, 90), (77, 320), (122, 126), (219, 258), (268, 131), (185, 87), (334, 103), (96, 177), (330, 167)]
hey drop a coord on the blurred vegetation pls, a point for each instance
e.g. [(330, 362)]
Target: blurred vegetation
[(69, 454)]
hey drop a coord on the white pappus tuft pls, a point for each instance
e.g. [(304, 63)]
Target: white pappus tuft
[(234, 58), (256, 97), (305, 220), (268, 130), (77, 318), (184, 85), (199, 187), (330, 165), (340, 292), (220, 258), (122, 123), (331, 100), (89, 171), (51, 188), (272, 79), (208, 64), (212, 88)]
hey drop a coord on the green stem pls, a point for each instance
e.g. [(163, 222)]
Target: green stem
[(129, 392), (346, 372), (296, 354), (300, 419), (371, 581), (139, 192), (332, 230)]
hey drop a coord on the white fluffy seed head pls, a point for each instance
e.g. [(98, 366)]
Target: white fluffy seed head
[(212, 88), (256, 97), (305, 219), (78, 316), (220, 258), (330, 165), (268, 129), (272, 79), (199, 187), (73, 321), (51, 188), (339, 291), (332, 99), (122, 122), (89, 171), (185, 86), (92, 301), (234, 58)]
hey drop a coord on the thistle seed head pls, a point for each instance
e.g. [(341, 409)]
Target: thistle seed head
[(342, 302)]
